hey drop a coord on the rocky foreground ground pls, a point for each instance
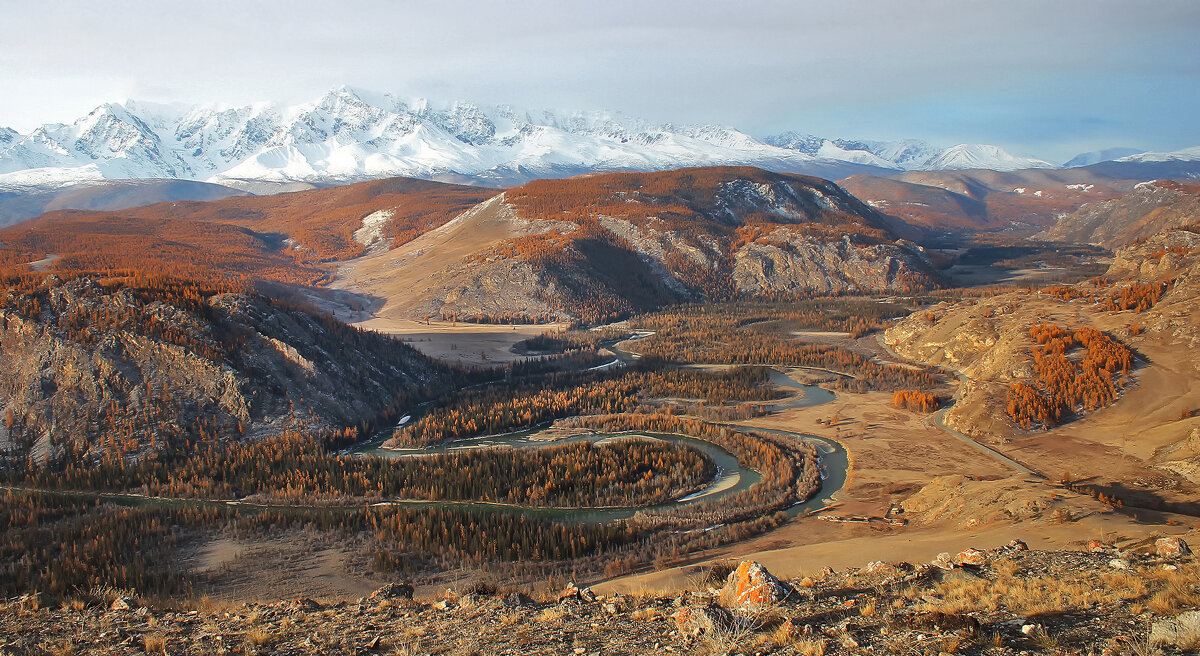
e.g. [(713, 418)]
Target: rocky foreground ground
[(1005, 601)]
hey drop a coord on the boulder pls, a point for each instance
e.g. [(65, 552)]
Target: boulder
[(1182, 631), (943, 561), (695, 620), (1171, 547), (971, 557), (1096, 546), (752, 585), (574, 592), (123, 603), (1018, 545), (393, 591)]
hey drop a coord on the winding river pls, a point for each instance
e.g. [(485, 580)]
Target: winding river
[(732, 477)]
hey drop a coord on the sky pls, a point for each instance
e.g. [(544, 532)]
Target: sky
[(1045, 78)]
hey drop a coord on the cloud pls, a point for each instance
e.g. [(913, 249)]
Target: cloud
[(945, 70)]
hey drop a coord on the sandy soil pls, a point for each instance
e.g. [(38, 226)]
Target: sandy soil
[(288, 566)]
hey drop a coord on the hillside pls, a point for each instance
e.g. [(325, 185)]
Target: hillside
[(1021, 201), (284, 237), (606, 245), (137, 364), (1144, 212), (1060, 375)]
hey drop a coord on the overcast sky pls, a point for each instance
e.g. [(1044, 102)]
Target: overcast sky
[(1046, 78)]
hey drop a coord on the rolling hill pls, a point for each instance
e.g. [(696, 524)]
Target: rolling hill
[(602, 246), (18, 204), (1146, 211), (1020, 201), (284, 238)]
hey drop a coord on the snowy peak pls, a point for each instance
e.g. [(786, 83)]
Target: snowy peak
[(907, 155), (1097, 156), (349, 134), (1186, 155), (981, 156)]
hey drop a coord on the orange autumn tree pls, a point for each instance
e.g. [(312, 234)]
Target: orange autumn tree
[(1066, 383), (915, 400)]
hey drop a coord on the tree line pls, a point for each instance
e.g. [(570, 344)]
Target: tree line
[(296, 468)]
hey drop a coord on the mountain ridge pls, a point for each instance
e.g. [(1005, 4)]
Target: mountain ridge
[(350, 135)]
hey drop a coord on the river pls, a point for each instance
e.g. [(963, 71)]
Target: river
[(732, 476)]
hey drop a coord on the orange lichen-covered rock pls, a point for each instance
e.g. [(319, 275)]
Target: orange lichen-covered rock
[(972, 557), (752, 585), (1171, 547)]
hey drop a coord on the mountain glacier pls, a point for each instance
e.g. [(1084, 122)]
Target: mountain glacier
[(350, 135)]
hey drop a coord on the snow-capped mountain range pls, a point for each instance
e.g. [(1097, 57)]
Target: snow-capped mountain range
[(349, 135)]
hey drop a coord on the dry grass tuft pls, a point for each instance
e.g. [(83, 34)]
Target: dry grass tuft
[(155, 643), (1043, 640), (1039, 595), (810, 647), (1179, 590), (512, 618), (261, 637), (65, 648), (647, 613), (552, 614)]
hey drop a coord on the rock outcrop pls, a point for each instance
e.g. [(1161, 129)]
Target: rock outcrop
[(751, 585), (83, 363)]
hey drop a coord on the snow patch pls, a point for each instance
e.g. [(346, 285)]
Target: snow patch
[(370, 234)]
